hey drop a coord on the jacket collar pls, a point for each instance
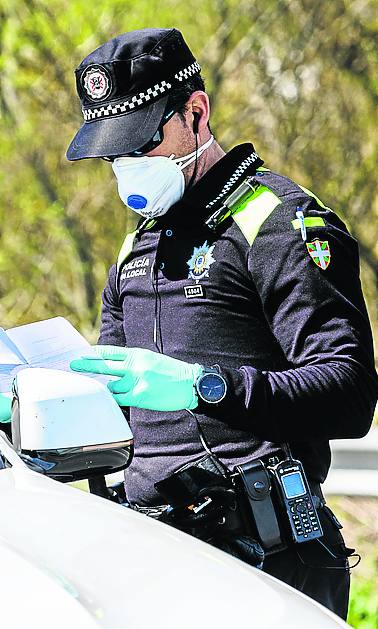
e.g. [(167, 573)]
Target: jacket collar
[(207, 195)]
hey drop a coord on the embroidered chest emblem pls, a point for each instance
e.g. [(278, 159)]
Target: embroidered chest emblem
[(319, 252), (200, 262)]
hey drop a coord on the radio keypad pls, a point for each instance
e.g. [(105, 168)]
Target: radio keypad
[(303, 516)]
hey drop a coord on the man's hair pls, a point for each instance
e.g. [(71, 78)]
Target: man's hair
[(179, 96)]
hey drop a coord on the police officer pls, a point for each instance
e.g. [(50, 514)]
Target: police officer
[(249, 315)]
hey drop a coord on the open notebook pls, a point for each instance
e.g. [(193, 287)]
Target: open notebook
[(52, 344)]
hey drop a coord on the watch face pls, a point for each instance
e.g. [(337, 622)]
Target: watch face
[(212, 387)]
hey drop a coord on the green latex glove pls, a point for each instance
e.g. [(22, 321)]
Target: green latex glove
[(148, 379), (5, 409)]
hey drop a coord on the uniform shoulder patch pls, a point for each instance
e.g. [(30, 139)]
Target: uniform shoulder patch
[(319, 252)]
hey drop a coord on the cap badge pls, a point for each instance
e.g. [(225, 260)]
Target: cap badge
[(97, 82), (320, 252), (200, 262)]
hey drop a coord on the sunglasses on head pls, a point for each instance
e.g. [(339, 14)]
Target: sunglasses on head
[(156, 139)]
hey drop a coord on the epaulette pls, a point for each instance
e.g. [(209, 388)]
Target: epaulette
[(255, 199), (283, 186)]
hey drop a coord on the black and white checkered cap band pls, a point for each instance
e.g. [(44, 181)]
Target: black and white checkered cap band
[(234, 178), (137, 101)]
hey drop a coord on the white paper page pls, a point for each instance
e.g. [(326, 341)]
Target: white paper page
[(51, 344), (43, 342), (62, 362), (9, 353)]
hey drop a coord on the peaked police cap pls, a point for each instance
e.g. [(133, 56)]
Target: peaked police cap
[(124, 87)]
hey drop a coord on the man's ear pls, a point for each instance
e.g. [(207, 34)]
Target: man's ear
[(199, 107)]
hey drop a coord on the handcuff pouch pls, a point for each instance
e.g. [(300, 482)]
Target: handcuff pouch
[(254, 481)]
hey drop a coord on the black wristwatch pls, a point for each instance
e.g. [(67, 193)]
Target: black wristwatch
[(211, 386)]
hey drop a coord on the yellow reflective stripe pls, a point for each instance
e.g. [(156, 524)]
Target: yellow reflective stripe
[(262, 169), (126, 248), (311, 194), (254, 211), (128, 243), (309, 221)]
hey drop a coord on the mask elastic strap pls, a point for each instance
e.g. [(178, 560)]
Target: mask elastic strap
[(183, 162)]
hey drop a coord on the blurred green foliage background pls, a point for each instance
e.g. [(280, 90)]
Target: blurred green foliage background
[(299, 78)]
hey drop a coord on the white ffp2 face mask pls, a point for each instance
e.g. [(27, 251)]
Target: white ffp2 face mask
[(151, 185)]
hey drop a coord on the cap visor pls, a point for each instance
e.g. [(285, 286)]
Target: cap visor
[(108, 137)]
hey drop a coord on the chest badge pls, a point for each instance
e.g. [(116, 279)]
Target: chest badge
[(320, 252), (200, 262)]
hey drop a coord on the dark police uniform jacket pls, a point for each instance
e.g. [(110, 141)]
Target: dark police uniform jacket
[(284, 318)]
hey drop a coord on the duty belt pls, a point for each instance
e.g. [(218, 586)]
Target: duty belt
[(157, 511)]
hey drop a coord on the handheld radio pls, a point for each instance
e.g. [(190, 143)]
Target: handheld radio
[(294, 494)]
